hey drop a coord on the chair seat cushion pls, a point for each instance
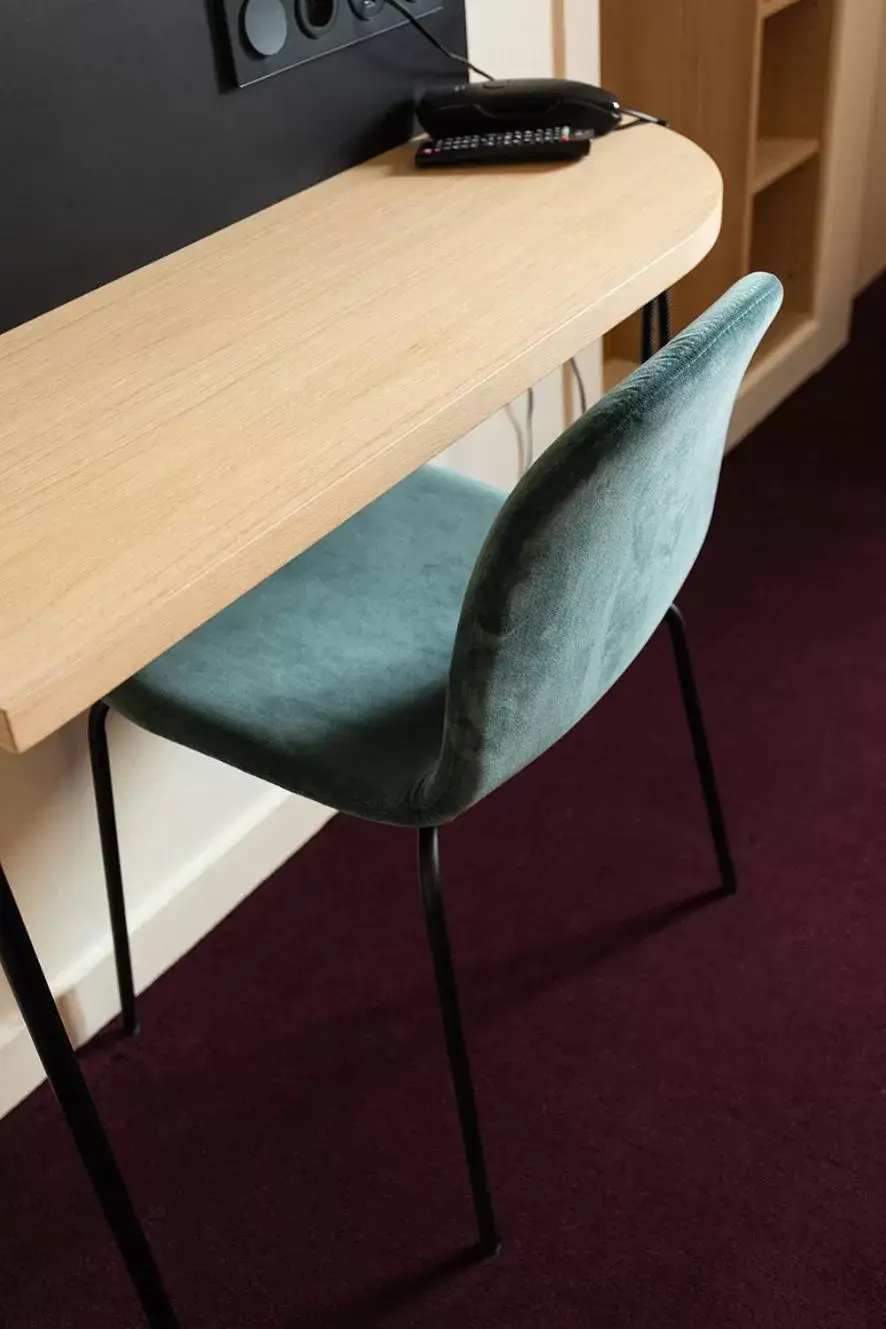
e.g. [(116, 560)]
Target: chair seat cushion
[(329, 679)]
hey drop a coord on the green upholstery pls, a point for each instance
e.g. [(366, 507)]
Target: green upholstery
[(330, 677), (337, 677)]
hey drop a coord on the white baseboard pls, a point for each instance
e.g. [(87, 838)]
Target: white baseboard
[(174, 920)]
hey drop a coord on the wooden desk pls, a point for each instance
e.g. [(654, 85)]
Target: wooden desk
[(170, 440)]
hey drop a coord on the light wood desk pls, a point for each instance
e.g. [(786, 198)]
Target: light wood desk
[(171, 439)]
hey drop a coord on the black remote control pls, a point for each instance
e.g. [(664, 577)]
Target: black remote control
[(559, 144)]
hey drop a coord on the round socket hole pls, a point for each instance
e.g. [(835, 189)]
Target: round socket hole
[(264, 26), (316, 16), (367, 9)]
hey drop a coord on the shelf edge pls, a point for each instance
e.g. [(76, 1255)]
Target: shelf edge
[(770, 7), (793, 153)]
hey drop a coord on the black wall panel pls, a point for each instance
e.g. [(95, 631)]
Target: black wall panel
[(122, 138)]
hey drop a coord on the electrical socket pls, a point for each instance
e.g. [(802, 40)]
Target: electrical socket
[(268, 36)]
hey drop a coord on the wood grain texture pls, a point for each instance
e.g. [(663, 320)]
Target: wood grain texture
[(170, 440), (770, 7), (763, 82), (803, 341), (794, 79), (786, 225), (852, 87), (777, 157), (790, 326), (872, 255), (696, 64)]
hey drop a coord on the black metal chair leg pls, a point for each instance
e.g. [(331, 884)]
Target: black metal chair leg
[(30, 989), (107, 826), (447, 993), (716, 820)]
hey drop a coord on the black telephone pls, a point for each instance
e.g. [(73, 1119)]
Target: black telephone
[(536, 119), (517, 103)]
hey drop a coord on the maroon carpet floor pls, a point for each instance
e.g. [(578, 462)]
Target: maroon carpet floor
[(684, 1100)]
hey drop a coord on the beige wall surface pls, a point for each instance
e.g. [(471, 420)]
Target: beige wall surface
[(872, 257)]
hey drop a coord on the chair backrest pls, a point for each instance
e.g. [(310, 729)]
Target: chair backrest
[(587, 554)]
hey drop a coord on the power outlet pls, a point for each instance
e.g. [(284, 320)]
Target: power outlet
[(268, 36)]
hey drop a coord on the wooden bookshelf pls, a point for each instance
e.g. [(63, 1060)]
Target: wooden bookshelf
[(771, 7), (750, 82), (783, 240), (615, 369), (777, 157)]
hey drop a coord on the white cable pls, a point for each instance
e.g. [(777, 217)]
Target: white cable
[(522, 446), (525, 433), (530, 430)]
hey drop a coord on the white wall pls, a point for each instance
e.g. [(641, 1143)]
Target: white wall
[(530, 39), (197, 837), (512, 38)]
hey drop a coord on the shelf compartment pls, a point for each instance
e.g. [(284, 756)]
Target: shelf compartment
[(789, 325), (795, 69), (771, 7), (784, 241), (777, 157), (615, 368)]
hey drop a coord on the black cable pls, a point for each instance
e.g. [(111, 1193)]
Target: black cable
[(639, 118), (647, 336), (580, 384), (429, 36), (652, 339), (664, 318)]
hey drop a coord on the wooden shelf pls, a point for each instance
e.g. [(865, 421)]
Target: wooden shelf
[(698, 65), (794, 70), (785, 227), (755, 95), (771, 7), (790, 324), (777, 157), (615, 368)]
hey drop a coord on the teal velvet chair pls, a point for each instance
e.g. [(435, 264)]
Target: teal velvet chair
[(442, 639)]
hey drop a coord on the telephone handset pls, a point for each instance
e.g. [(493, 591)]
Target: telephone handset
[(516, 105)]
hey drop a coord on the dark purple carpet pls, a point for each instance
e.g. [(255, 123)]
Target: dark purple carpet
[(684, 1101)]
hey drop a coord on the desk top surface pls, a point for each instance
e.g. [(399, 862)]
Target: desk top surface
[(171, 439)]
